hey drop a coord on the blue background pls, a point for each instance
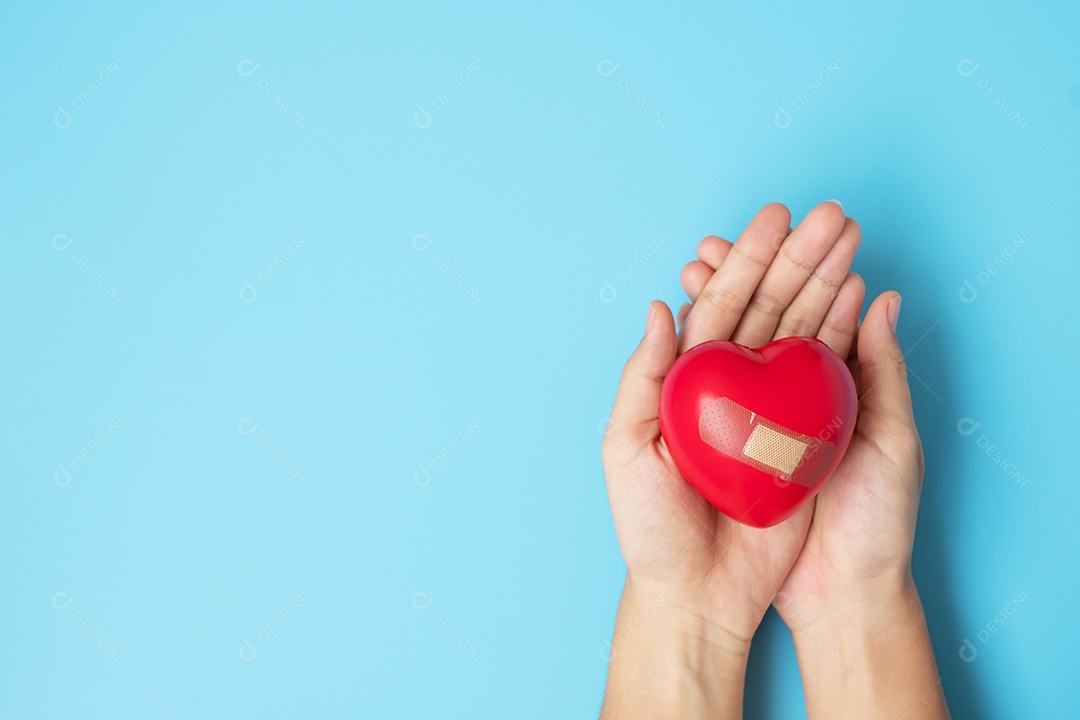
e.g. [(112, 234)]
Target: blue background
[(147, 542)]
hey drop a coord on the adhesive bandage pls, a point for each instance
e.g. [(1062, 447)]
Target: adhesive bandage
[(746, 436)]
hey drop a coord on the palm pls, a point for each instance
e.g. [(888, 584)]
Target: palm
[(678, 540)]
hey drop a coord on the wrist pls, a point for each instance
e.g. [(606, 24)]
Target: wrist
[(850, 609), (853, 623), (868, 655), (667, 660), (690, 615)]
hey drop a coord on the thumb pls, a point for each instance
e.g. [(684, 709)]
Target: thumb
[(635, 417), (885, 411)]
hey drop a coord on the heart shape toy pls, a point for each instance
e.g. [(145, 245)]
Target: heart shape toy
[(758, 432)]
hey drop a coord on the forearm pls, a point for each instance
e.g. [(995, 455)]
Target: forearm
[(666, 662), (870, 660)]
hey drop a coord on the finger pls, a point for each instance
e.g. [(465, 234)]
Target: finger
[(796, 260), (693, 277), (635, 415), (711, 253), (885, 412), (681, 317), (712, 250), (809, 308), (842, 321), (721, 303)]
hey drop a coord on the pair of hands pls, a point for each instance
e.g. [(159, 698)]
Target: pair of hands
[(698, 583)]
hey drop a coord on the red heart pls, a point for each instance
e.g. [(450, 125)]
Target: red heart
[(758, 432)]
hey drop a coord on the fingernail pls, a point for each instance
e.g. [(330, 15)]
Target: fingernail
[(649, 319), (837, 202), (894, 312)]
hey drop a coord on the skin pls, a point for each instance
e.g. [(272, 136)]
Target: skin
[(838, 571)]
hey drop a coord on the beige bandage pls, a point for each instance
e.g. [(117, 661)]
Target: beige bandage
[(772, 448), (746, 436)]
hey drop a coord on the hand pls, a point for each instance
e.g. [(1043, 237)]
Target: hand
[(849, 598), (858, 549), (705, 579)]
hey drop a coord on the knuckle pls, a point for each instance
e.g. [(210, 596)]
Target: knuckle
[(796, 257), (767, 304), (722, 299), (837, 328), (823, 284), (799, 325)]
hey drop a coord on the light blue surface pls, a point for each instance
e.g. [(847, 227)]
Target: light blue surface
[(429, 354)]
